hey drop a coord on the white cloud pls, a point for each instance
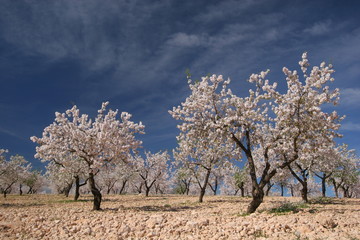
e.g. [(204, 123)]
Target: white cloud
[(319, 28), (225, 9), (10, 133), (185, 40), (350, 97), (350, 126)]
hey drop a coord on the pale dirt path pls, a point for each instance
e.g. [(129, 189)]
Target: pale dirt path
[(172, 217)]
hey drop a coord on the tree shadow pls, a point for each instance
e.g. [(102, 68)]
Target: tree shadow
[(20, 205), (152, 208)]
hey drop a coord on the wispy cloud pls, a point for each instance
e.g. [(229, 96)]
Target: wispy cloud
[(186, 40), (225, 9), (319, 28), (11, 133), (350, 97), (349, 126)]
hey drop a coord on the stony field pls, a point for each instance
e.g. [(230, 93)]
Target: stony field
[(175, 217)]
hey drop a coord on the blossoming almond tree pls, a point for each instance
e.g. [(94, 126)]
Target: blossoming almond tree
[(12, 171), (272, 140), (346, 174), (243, 121), (104, 140), (152, 168), (182, 180), (235, 180), (307, 132), (202, 145)]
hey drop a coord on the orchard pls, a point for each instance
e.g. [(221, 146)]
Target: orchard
[(250, 146)]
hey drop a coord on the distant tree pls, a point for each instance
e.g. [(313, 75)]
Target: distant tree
[(235, 180), (61, 179), (182, 181), (34, 180), (346, 174), (152, 169), (95, 143), (12, 171)]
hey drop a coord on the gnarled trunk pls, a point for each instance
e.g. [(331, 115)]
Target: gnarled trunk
[(257, 199), (95, 192), (304, 192), (77, 188)]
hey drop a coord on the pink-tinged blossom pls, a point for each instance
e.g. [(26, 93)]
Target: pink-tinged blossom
[(95, 143), (272, 129)]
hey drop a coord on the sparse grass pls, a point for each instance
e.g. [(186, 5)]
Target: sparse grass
[(71, 201), (288, 207), (260, 233), (244, 214), (298, 236), (321, 200)]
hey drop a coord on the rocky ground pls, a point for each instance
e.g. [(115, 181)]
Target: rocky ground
[(174, 217)]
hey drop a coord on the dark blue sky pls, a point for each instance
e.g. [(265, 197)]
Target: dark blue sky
[(134, 54)]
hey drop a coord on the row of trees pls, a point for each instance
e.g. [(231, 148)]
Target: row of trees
[(152, 174), (17, 172), (275, 134)]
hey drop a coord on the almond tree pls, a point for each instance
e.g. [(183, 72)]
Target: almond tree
[(308, 131), (61, 179), (182, 180), (108, 177), (331, 160), (34, 180), (152, 168), (235, 180), (217, 177), (346, 174), (201, 151), (104, 140), (297, 126), (12, 171), (128, 174)]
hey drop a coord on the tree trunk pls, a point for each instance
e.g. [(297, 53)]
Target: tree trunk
[(77, 188), (303, 181), (214, 189), (139, 189), (95, 192), (67, 189), (345, 191), (30, 191), (282, 189), (257, 199), (323, 186), (123, 186), (242, 190), (147, 191), (20, 189), (336, 189), (292, 190), (203, 187), (188, 188), (304, 191), (269, 186)]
